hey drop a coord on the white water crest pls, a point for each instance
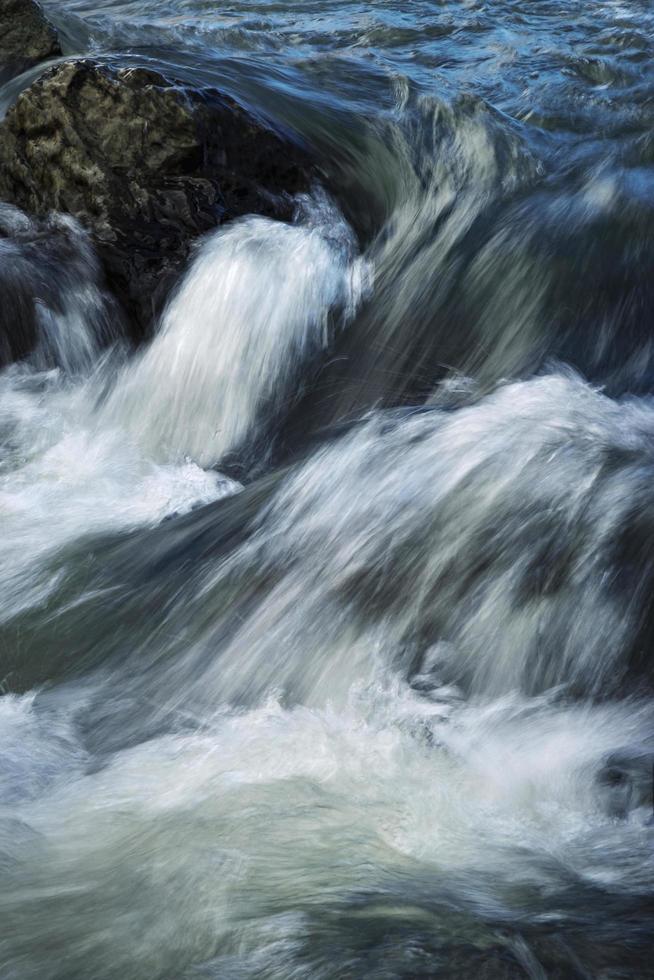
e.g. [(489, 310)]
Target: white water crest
[(484, 542), (252, 310), (480, 547)]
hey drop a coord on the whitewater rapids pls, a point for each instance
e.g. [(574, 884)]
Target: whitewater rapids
[(343, 721)]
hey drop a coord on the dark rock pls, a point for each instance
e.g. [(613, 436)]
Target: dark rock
[(146, 164), (49, 279), (26, 37)]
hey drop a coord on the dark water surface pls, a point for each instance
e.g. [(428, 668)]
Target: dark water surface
[(326, 625)]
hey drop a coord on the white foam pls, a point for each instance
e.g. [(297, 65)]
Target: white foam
[(231, 838), (64, 477)]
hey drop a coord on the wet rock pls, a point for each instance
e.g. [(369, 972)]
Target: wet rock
[(147, 165), (26, 37), (52, 304)]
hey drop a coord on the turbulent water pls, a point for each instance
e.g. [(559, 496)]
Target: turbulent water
[(326, 633)]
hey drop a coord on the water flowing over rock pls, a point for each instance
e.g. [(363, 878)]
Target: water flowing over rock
[(26, 37), (327, 612), (256, 309), (145, 164)]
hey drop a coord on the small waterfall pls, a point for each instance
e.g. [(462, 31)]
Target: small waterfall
[(256, 306), (252, 311)]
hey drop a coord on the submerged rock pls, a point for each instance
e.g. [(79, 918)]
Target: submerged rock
[(147, 165), (26, 37)]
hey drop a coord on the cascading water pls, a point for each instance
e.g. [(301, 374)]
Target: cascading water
[(382, 708), (252, 312)]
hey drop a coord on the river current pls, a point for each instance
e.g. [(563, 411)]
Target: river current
[(326, 632)]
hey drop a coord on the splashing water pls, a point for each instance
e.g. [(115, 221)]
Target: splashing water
[(249, 316), (383, 708), (363, 694)]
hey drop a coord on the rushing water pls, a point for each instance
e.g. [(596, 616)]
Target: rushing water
[(326, 625)]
